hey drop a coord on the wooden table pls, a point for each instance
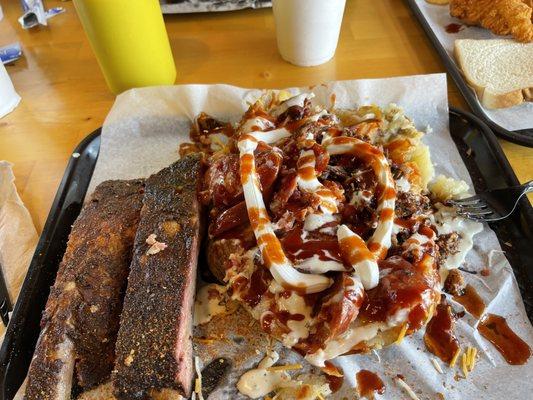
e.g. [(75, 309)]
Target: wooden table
[(64, 96)]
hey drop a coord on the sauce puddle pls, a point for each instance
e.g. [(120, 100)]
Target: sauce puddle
[(471, 301), (440, 337), (453, 28), (495, 329), (368, 384)]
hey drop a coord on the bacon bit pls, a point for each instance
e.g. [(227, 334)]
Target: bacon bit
[(288, 367), (485, 272), (155, 246)]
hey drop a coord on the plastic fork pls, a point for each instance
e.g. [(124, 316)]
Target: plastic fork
[(493, 205)]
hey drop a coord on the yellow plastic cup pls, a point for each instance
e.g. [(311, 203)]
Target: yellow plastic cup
[(130, 42)]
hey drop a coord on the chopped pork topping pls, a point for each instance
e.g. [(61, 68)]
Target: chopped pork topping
[(455, 283), (329, 221)]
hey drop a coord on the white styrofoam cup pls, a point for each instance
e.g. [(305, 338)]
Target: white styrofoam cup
[(9, 99), (307, 31)]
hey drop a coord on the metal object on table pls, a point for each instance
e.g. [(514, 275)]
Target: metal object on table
[(194, 6), (35, 14), (5, 302), (493, 205)]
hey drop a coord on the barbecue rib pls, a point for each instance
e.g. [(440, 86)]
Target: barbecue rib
[(80, 322), (154, 349)]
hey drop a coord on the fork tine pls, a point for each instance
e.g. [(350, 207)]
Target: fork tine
[(476, 214), (471, 207), (474, 208), (484, 218), (465, 201)]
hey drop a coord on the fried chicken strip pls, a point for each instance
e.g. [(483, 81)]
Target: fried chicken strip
[(503, 17)]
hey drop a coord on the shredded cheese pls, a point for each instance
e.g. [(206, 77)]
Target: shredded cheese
[(198, 381), (455, 357), (464, 365), (437, 366), (407, 388), (471, 353), (402, 334), (474, 355), (204, 340), (288, 367)]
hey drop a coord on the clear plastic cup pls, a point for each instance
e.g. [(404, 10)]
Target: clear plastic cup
[(307, 31)]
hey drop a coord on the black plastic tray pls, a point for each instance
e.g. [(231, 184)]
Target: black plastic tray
[(523, 137), (477, 144), (23, 330)]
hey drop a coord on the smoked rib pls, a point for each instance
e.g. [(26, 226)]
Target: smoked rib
[(154, 348), (80, 322)]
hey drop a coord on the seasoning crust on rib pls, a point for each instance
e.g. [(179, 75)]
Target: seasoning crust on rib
[(80, 322), (154, 349)]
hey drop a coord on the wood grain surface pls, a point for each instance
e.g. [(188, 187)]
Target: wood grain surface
[(64, 96)]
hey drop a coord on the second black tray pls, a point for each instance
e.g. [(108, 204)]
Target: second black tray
[(477, 145), (523, 137)]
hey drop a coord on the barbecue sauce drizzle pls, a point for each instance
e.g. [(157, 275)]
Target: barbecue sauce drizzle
[(453, 28)]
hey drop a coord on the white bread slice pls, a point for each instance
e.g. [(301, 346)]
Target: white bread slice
[(499, 70)]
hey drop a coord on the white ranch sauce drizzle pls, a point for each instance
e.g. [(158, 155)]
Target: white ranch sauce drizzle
[(259, 382), (206, 306), (447, 221)]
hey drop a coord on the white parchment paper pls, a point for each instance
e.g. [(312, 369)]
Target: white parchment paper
[(145, 126), (512, 119)]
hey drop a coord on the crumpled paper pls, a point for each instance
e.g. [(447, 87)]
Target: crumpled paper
[(438, 16), (18, 236), (142, 133)]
